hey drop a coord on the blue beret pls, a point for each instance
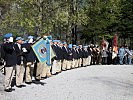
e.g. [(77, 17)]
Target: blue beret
[(19, 38), (85, 46), (49, 37), (56, 40), (26, 41), (64, 43), (30, 37), (70, 45), (74, 45), (8, 35)]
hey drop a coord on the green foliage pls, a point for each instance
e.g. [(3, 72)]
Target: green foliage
[(96, 18)]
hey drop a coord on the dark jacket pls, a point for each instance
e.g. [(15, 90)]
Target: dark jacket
[(80, 53), (65, 53), (57, 51), (85, 54), (10, 54), (19, 54), (74, 54), (89, 51), (70, 56), (29, 56)]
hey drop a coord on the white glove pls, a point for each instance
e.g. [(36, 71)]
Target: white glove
[(31, 40), (44, 37), (24, 49), (11, 39)]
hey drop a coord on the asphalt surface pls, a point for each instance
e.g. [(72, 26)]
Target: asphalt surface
[(98, 82)]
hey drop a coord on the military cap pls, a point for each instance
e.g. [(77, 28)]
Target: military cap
[(70, 45), (19, 38), (8, 35), (30, 37)]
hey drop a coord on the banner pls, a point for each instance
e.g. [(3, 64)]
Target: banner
[(115, 40), (40, 50), (43, 50), (105, 44), (115, 47)]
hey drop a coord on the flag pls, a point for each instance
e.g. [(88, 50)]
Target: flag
[(43, 50), (104, 44), (40, 50), (115, 40), (115, 48)]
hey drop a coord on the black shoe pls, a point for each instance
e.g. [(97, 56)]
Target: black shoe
[(28, 82), (37, 80), (64, 70), (19, 86), (9, 90), (23, 85), (42, 78)]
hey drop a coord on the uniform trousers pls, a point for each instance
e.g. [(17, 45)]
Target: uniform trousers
[(64, 64), (89, 60), (29, 71), (76, 63), (54, 67), (20, 69), (44, 70), (80, 62), (84, 61), (73, 63), (48, 71), (9, 73), (39, 70), (69, 64), (58, 65)]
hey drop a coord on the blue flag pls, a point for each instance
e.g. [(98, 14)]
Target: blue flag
[(43, 51), (40, 50)]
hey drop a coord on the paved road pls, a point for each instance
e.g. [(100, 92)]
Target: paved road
[(88, 83)]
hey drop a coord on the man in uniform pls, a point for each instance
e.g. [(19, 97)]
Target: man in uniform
[(20, 68), (70, 57), (10, 61), (74, 54), (65, 56), (29, 59), (59, 56), (89, 55), (85, 56), (80, 56), (54, 66)]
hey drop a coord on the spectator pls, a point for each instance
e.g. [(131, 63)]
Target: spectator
[(121, 54), (104, 57)]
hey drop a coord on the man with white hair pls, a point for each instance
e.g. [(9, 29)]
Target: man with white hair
[(20, 68), (10, 61), (74, 55), (80, 55)]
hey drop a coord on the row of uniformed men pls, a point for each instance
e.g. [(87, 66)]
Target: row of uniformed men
[(69, 56), (20, 56)]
